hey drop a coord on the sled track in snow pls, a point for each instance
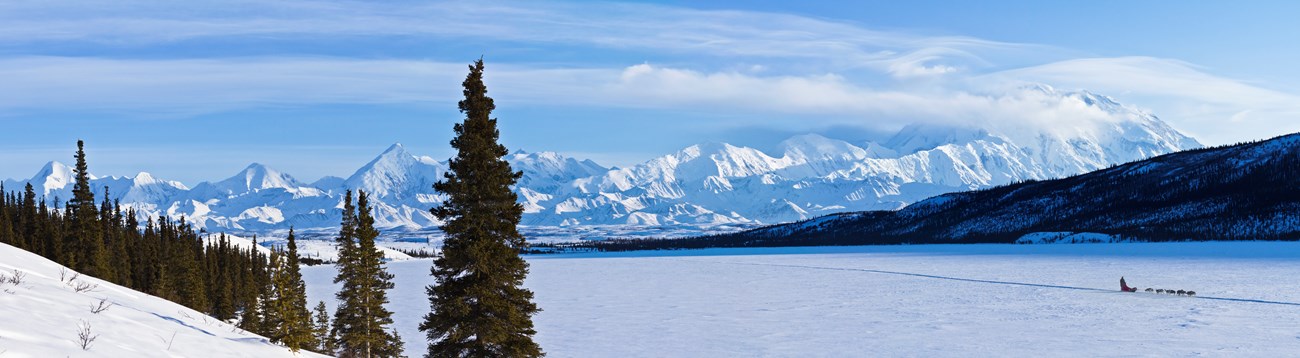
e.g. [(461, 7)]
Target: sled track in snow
[(1009, 283)]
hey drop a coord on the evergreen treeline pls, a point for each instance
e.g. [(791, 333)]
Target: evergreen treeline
[(167, 258)]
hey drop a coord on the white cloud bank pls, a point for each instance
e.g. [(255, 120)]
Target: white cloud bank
[(810, 68), (1215, 108), (189, 87)]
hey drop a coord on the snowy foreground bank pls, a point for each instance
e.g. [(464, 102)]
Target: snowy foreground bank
[(52, 312), (931, 300)]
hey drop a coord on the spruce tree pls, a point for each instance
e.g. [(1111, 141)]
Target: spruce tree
[(88, 254), (478, 305), (295, 330), (7, 232), (345, 316), (361, 321), (271, 302), (251, 294), (31, 220), (53, 243), (321, 330), (223, 290)]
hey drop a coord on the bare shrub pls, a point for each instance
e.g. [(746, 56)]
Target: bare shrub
[(84, 336), (18, 278), (82, 286), (102, 306)]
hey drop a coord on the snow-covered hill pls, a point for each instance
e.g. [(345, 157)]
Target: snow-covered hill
[(43, 314), (702, 185)]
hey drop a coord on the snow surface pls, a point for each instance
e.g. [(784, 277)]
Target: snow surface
[(40, 318), (923, 300)]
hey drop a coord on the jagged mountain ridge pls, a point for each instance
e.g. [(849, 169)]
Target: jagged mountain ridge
[(1239, 192), (706, 184)]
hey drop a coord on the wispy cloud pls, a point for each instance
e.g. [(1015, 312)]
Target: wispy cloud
[(188, 87), (1176, 89), (798, 66), (617, 26)]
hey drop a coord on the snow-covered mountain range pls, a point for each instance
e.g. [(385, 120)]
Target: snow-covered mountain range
[(701, 185), (1241, 192)]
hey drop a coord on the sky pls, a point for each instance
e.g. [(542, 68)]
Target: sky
[(197, 90)]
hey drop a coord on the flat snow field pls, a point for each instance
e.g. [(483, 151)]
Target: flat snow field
[(924, 300)]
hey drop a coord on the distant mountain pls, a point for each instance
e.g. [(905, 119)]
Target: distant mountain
[(704, 185), (1241, 192), (256, 177)]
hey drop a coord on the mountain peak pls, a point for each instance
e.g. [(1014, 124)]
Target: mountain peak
[(256, 166), (53, 176), (814, 146), (918, 137), (144, 177), (807, 138), (256, 176), (54, 166), (395, 172), (397, 147), (706, 148)]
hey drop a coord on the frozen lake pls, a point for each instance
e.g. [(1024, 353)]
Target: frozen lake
[(925, 300)]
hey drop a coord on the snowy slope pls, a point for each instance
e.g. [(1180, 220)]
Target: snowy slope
[(702, 186), (41, 317)]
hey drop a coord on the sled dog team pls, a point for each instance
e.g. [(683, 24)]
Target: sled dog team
[(1172, 292), (1123, 286)]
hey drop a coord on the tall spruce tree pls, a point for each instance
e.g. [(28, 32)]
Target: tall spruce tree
[(88, 254), (479, 307), (321, 330), (31, 219), (223, 289), (295, 330), (361, 321), (272, 305), (345, 317)]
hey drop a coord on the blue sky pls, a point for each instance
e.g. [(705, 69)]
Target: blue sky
[(196, 90)]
